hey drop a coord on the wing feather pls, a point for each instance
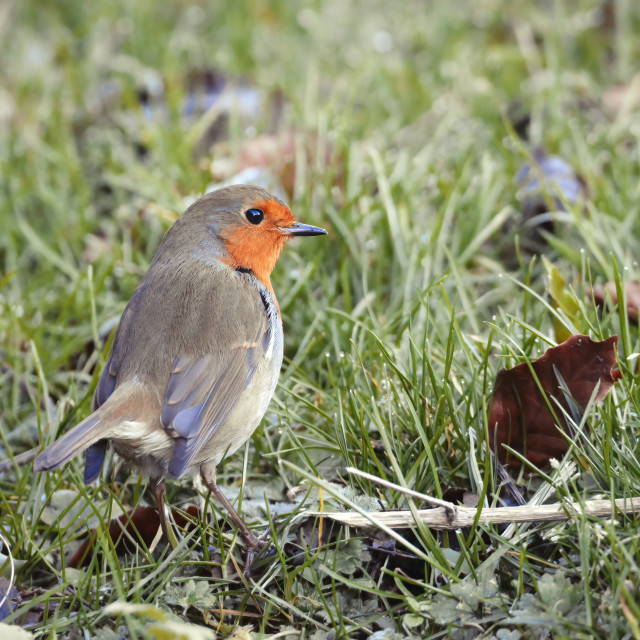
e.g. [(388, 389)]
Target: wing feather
[(200, 396)]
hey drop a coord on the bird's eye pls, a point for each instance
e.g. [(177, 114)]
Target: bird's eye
[(254, 216)]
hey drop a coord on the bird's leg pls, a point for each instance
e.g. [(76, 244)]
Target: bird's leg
[(248, 535), (159, 489), (254, 544)]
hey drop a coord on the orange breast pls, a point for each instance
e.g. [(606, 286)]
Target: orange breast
[(258, 247)]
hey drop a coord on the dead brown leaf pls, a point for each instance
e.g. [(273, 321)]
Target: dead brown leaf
[(278, 156), (631, 295), (140, 524), (520, 417), (459, 495)]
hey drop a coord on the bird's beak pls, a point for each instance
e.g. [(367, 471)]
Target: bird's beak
[(299, 229)]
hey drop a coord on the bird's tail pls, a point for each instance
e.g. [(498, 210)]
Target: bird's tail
[(82, 436)]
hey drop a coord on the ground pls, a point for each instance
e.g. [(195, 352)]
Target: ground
[(411, 132)]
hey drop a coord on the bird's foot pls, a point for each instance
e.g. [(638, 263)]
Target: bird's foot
[(254, 545)]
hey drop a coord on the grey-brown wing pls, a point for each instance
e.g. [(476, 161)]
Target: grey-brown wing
[(94, 455), (106, 383), (125, 333), (205, 384), (200, 396)]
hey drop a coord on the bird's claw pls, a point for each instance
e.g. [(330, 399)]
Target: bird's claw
[(255, 544)]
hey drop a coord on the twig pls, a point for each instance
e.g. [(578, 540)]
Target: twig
[(439, 518)]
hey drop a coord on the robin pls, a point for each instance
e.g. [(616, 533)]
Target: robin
[(198, 351)]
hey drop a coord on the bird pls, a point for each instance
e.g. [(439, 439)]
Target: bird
[(197, 352)]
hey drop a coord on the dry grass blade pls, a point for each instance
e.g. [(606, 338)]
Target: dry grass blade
[(436, 502)]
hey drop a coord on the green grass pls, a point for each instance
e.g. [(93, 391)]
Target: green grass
[(395, 325)]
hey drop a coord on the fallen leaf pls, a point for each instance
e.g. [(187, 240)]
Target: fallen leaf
[(35, 614), (141, 524), (244, 633), (275, 159), (458, 495), (544, 186), (631, 296), (11, 632), (519, 115), (67, 507), (622, 98), (8, 593), (520, 417), (385, 553), (166, 625)]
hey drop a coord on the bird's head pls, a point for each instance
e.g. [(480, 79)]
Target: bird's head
[(248, 224)]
